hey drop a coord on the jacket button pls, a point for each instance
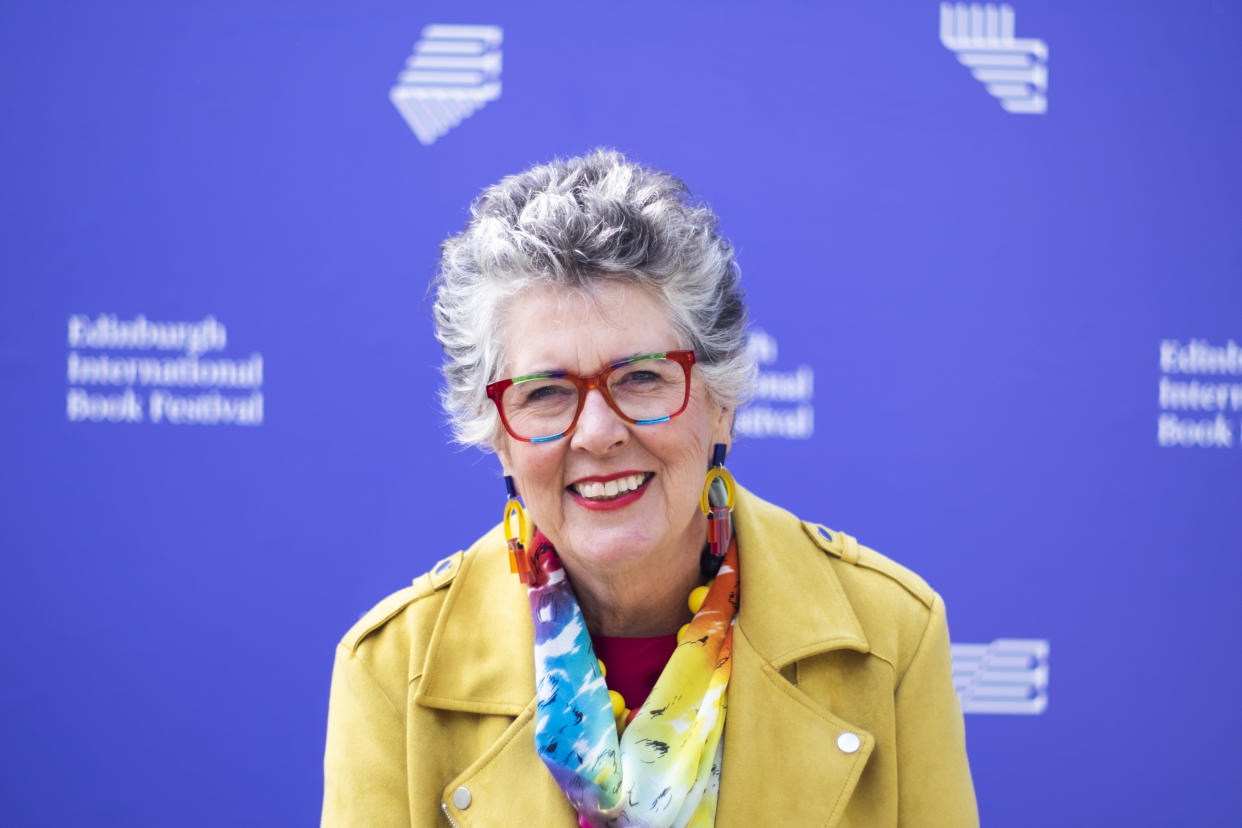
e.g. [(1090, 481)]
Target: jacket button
[(847, 742), (461, 798)]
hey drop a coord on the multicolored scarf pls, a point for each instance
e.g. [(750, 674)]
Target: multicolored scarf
[(665, 769)]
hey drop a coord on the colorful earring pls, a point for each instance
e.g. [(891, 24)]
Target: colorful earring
[(717, 503), (519, 561)]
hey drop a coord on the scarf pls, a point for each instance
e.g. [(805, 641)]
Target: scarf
[(664, 771)]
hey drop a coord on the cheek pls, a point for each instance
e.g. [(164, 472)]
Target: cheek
[(538, 475), (687, 462)]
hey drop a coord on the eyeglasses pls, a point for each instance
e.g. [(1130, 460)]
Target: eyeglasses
[(645, 389)]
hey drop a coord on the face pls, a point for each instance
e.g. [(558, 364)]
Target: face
[(548, 329)]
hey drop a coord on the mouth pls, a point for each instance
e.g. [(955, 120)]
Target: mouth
[(616, 487)]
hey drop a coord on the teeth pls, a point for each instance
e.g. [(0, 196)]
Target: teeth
[(596, 490)]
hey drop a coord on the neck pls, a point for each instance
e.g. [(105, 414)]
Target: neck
[(639, 603)]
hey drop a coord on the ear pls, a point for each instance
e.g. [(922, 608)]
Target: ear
[(501, 446), (722, 427)]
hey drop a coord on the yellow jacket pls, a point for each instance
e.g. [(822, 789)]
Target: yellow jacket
[(841, 703)]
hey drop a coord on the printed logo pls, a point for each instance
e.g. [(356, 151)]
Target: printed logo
[(453, 72), (1200, 394), (1010, 675), (1012, 69), (143, 371), (783, 405)]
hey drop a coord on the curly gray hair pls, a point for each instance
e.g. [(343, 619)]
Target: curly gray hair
[(573, 223)]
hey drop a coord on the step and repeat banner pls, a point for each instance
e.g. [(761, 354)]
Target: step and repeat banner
[(993, 258)]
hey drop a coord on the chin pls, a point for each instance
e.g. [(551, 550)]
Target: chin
[(614, 548)]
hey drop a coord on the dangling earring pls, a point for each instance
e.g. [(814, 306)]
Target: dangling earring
[(717, 503), (519, 561)]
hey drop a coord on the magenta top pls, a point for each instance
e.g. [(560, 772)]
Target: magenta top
[(633, 664)]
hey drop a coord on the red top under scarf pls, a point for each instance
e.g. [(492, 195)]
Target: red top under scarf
[(633, 664)]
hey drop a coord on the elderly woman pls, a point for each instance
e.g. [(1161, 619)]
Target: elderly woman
[(641, 642)]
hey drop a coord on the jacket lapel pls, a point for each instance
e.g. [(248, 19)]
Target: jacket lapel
[(782, 763), (481, 657), (481, 660), (510, 786)]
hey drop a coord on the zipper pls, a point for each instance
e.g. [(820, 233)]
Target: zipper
[(444, 807)]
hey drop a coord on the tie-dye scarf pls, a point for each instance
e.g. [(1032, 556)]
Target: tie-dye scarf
[(665, 769)]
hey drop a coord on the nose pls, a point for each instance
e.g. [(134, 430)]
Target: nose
[(599, 429)]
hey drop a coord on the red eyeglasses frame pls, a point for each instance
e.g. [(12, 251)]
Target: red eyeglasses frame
[(597, 382)]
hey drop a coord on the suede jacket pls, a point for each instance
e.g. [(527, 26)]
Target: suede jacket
[(842, 711)]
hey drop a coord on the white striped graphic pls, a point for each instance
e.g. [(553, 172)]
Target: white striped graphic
[(453, 72), (1012, 69), (1010, 675)]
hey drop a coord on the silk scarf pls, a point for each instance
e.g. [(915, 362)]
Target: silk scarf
[(664, 771)]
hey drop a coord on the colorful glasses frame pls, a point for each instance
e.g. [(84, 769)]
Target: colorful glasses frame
[(598, 382)]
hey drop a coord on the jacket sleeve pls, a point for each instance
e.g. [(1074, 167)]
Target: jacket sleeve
[(935, 789), (364, 762)]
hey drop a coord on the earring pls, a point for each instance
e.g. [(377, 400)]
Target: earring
[(717, 503), (519, 561)]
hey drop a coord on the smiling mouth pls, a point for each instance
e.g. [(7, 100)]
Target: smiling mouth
[(612, 489)]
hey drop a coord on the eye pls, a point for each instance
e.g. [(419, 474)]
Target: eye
[(641, 376), (646, 375), (544, 394), (541, 393)]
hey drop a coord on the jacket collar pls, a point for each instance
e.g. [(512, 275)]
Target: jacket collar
[(480, 658)]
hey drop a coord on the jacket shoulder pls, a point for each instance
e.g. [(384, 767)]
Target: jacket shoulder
[(418, 599), (850, 552), (399, 628), (894, 605)]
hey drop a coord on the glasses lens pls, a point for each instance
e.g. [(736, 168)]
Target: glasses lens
[(540, 406), (649, 389)]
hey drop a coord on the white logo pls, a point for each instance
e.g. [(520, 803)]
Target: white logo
[(1199, 411), (453, 72), (1010, 675), (783, 403), (194, 387), (1012, 69)]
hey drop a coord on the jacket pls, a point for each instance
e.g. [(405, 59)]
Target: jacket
[(842, 711)]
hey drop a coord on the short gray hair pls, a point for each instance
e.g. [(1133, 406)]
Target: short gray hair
[(573, 224)]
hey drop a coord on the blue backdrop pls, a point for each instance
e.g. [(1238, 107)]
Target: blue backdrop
[(993, 256)]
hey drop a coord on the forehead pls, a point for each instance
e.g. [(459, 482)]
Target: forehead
[(547, 328)]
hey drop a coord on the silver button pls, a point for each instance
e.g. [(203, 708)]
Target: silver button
[(461, 798), (848, 742)]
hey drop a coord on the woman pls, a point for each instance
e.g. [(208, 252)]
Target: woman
[(641, 642)]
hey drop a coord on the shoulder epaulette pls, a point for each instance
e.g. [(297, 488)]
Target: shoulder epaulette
[(440, 575), (843, 546), (836, 544), (425, 585)]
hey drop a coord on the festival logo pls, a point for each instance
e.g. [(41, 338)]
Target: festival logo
[(1200, 394), (783, 403), (453, 72), (1012, 69), (145, 371), (1010, 675)]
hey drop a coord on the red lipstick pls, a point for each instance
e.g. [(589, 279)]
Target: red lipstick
[(614, 503)]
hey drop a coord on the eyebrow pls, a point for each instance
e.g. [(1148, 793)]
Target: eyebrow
[(540, 375), (560, 373)]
